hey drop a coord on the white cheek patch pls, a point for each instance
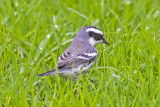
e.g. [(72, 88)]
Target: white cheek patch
[(94, 30), (93, 42)]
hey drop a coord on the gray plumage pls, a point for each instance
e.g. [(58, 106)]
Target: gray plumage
[(80, 54)]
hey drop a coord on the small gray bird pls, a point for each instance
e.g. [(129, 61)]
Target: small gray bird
[(80, 55)]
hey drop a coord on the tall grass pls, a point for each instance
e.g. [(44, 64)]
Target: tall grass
[(33, 34)]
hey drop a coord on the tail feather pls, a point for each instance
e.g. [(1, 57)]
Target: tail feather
[(52, 72)]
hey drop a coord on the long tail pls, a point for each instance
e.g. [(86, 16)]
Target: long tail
[(52, 72)]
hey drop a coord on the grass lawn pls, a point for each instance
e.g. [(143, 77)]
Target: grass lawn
[(34, 33)]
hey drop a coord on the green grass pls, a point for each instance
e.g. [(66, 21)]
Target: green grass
[(125, 74)]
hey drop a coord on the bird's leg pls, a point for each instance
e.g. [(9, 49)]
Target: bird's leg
[(76, 91)]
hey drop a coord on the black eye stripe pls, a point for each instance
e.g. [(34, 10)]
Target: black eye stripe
[(93, 33), (96, 36)]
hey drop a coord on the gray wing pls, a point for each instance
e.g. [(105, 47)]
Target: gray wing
[(77, 53), (64, 58), (69, 62), (73, 56)]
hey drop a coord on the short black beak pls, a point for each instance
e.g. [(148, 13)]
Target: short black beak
[(104, 41)]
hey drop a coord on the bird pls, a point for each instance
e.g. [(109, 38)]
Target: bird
[(80, 54)]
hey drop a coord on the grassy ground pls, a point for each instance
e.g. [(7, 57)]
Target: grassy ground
[(34, 33)]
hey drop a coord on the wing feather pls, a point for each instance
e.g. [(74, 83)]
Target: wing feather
[(77, 60)]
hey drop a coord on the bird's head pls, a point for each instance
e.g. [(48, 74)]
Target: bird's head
[(93, 35)]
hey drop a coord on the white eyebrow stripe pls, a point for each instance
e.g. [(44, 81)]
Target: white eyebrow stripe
[(94, 30)]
